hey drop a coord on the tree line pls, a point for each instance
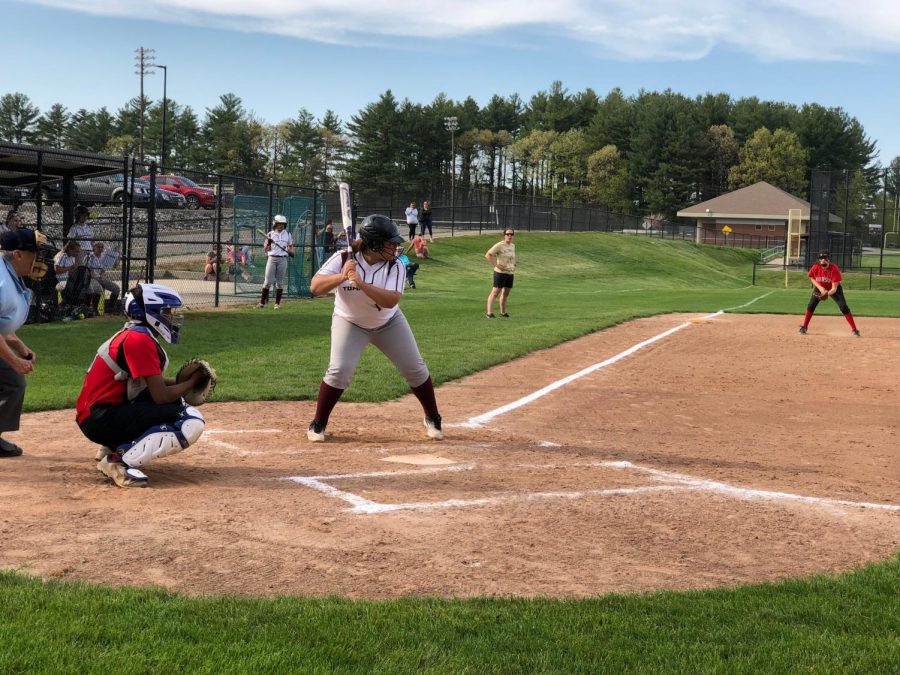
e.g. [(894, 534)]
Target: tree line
[(651, 153)]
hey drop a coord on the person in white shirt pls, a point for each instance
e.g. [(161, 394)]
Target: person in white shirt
[(412, 219), (65, 262), (81, 231), (98, 262), (279, 246), (368, 284)]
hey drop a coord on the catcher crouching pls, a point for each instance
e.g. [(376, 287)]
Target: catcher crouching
[(127, 405)]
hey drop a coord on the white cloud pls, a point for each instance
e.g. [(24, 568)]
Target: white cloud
[(772, 30)]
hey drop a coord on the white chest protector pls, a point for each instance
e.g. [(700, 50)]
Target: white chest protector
[(134, 386)]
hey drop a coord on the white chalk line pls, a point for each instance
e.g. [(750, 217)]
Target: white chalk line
[(230, 446), (680, 483), (747, 304), (480, 420), (207, 432)]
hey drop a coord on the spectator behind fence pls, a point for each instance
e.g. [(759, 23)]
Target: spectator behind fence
[(425, 220), (98, 262), (82, 231), (412, 219), (213, 262), (328, 238), (13, 222), (65, 262), (238, 259)]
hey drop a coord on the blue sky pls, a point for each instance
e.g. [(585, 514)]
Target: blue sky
[(283, 55)]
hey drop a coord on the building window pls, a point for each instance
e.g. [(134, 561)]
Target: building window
[(771, 228), (759, 227)]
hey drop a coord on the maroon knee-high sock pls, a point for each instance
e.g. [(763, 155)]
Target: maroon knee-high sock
[(278, 296), (264, 298), (850, 320), (328, 398), (807, 319), (425, 393)]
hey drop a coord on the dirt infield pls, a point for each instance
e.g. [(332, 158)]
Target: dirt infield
[(733, 450)]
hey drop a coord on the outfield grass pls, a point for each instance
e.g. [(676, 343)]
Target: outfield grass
[(566, 286)]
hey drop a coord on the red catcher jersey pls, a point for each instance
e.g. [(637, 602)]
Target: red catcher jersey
[(825, 277), (143, 356)]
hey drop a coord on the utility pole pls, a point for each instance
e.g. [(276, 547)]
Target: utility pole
[(143, 62)]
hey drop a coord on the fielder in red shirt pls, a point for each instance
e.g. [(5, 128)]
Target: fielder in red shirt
[(826, 280)]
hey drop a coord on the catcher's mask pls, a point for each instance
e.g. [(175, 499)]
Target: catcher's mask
[(377, 230), (156, 306), (28, 240)]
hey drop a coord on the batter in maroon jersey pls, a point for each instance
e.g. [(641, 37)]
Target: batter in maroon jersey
[(826, 280)]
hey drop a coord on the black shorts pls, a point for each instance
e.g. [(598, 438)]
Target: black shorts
[(503, 280)]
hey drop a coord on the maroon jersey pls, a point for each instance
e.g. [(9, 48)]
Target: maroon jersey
[(826, 277)]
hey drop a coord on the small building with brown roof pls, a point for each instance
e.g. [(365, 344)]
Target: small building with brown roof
[(755, 213)]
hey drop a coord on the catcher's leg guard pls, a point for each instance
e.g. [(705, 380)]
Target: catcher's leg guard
[(164, 439)]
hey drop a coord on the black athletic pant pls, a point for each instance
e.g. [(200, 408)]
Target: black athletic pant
[(838, 297), (114, 425)]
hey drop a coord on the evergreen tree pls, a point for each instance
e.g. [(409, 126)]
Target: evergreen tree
[(722, 154), (51, 127), (18, 118), (612, 123), (833, 139), (376, 153)]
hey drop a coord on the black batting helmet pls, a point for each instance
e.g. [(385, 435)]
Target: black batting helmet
[(377, 230)]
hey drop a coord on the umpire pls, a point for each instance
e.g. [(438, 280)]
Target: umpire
[(20, 250)]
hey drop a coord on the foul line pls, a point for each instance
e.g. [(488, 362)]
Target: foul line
[(680, 483), (480, 420)]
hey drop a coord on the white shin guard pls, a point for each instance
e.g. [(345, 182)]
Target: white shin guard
[(165, 439)]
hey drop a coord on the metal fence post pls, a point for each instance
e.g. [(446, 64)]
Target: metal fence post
[(151, 227)]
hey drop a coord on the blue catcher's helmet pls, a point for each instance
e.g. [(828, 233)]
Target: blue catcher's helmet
[(154, 305)]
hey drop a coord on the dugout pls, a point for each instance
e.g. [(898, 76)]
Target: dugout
[(31, 167)]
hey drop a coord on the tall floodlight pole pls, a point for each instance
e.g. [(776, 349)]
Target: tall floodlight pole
[(162, 152), (452, 124), (143, 61)]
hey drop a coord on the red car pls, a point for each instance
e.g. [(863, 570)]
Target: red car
[(195, 195)]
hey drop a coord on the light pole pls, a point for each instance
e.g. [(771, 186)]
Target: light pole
[(162, 154), (143, 60), (452, 124)]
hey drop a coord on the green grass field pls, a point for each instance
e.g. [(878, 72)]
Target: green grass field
[(566, 286)]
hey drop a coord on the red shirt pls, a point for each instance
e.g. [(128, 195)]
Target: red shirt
[(825, 277), (143, 357)]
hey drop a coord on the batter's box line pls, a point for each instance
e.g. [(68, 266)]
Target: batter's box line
[(682, 483)]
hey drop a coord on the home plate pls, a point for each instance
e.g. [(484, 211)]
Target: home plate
[(421, 460)]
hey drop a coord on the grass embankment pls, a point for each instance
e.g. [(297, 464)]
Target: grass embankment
[(567, 286)]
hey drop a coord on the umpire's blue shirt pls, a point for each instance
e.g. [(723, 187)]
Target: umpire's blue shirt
[(14, 299)]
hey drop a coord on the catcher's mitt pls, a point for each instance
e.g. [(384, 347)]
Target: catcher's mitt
[(202, 392)]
